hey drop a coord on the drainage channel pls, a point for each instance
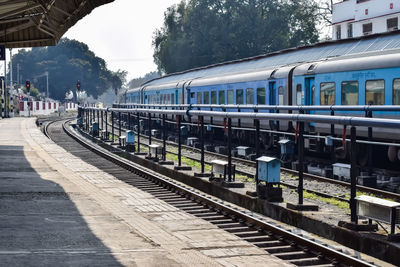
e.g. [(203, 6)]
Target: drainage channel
[(275, 240)]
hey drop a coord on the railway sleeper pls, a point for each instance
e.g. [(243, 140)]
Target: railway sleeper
[(308, 261), (281, 249)]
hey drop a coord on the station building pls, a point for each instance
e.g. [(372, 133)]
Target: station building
[(355, 18)]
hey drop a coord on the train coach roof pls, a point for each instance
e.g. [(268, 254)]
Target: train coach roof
[(331, 49)]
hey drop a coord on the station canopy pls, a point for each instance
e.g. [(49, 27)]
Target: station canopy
[(25, 23)]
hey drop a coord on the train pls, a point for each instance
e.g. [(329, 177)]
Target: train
[(356, 72)]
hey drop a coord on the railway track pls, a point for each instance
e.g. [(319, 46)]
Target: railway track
[(275, 240), (248, 163)]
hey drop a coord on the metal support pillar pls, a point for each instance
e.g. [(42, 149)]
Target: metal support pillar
[(164, 137), (353, 175), (179, 142), (138, 132), (98, 116), (202, 143), (300, 151), (229, 150), (129, 121)]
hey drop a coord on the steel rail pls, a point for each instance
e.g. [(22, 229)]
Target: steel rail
[(330, 253)]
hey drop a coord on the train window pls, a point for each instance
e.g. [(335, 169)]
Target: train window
[(396, 92), (261, 96), (298, 94), (281, 95), (169, 99), (221, 97), (375, 92), (350, 93), (199, 100), (213, 97), (249, 96), (327, 94), (206, 97), (230, 97), (239, 97)]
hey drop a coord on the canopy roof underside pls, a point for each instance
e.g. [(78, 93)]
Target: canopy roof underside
[(28, 23)]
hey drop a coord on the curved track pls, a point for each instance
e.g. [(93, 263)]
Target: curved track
[(282, 243)]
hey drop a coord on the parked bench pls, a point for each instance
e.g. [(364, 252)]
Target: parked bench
[(379, 210)]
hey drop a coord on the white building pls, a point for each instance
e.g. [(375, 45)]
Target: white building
[(354, 18)]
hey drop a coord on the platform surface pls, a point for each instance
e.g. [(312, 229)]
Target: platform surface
[(56, 210)]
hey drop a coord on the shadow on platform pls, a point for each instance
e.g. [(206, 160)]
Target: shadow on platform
[(40, 225)]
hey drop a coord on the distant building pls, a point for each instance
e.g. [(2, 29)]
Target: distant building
[(354, 18)]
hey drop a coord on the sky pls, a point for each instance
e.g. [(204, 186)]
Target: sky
[(121, 33)]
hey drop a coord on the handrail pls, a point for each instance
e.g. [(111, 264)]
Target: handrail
[(341, 120), (272, 107)]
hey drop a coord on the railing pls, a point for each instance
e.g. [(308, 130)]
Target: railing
[(88, 113)]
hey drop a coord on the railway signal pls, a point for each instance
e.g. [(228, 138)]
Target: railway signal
[(28, 86), (78, 85)]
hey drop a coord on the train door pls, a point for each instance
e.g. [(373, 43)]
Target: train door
[(310, 94), (272, 93), (176, 96)]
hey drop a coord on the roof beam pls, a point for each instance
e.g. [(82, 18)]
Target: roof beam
[(19, 11), (16, 28)]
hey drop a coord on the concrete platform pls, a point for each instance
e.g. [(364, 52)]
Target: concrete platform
[(56, 210)]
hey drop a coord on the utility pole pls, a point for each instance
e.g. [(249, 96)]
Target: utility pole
[(18, 82), (47, 84)]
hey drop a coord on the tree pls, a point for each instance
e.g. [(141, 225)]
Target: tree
[(141, 80), (67, 63), (203, 32)]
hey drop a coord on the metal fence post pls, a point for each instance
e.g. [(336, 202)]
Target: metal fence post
[(300, 151), (138, 132), (112, 126), (106, 115), (229, 150), (202, 143), (353, 175), (149, 129), (257, 137), (119, 128), (164, 137), (179, 142)]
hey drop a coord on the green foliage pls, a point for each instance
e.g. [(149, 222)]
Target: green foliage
[(139, 81), (66, 63), (203, 32), (34, 92)]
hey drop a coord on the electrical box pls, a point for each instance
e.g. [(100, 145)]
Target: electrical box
[(130, 137), (287, 146), (184, 131), (269, 169), (329, 141), (155, 150), (95, 127), (154, 132), (243, 151), (191, 141)]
